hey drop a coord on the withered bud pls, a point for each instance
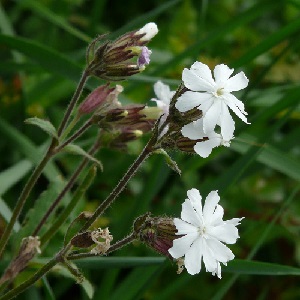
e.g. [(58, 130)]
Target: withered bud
[(95, 99), (113, 59), (30, 246), (82, 240), (156, 232)]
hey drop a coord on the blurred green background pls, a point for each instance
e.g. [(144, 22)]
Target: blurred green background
[(42, 51)]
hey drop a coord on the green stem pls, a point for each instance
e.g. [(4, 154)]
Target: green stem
[(69, 127), (120, 186), (23, 197), (73, 101), (77, 196), (26, 284), (75, 136)]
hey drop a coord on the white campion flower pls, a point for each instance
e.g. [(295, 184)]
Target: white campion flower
[(213, 96), (203, 234), (164, 96), (194, 131)]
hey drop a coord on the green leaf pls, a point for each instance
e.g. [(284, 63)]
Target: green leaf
[(213, 37), (25, 146), (119, 262), (170, 162), (141, 277), (269, 42), (13, 175), (259, 268), (6, 214), (75, 149), (52, 61), (84, 283), (41, 10), (36, 213), (44, 125), (270, 156)]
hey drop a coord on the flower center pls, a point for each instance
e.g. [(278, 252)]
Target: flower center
[(219, 92), (202, 230)]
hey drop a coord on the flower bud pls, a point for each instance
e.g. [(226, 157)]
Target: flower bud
[(95, 99), (113, 59), (148, 31), (158, 233)]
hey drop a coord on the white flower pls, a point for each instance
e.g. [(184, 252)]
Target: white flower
[(150, 30), (204, 233), (194, 131), (213, 96)]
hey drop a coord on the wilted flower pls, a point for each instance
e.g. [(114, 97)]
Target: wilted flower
[(203, 233), (213, 96), (102, 239), (208, 141)]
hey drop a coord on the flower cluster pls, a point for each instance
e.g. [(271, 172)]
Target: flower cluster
[(212, 97), (113, 60)]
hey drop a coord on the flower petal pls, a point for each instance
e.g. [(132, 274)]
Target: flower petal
[(182, 245), (194, 130), (189, 215), (222, 74), (196, 200), (184, 227), (190, 100), (217, 216), (226, 123), (198, 78), (236, 83), (234, 108), (238, 103), (208, 258), (220, 252), (210, 204), (226, 233), (204, 148), (163, 92), (211, 117), (193, 257)]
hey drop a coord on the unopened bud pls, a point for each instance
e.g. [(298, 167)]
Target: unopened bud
[(95, 99), (148, 31), (158, 233)]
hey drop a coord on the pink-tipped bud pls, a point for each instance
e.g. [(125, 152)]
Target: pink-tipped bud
[(95, 99)]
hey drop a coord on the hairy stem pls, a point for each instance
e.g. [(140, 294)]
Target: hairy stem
[(75, 136), (120, 186), (73, 101), (68, 186)]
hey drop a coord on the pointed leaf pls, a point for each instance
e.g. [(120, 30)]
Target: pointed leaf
[(74, 149), (170, 162), (44, 125)]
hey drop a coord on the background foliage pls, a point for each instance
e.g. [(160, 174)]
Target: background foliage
[(42, 55)]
